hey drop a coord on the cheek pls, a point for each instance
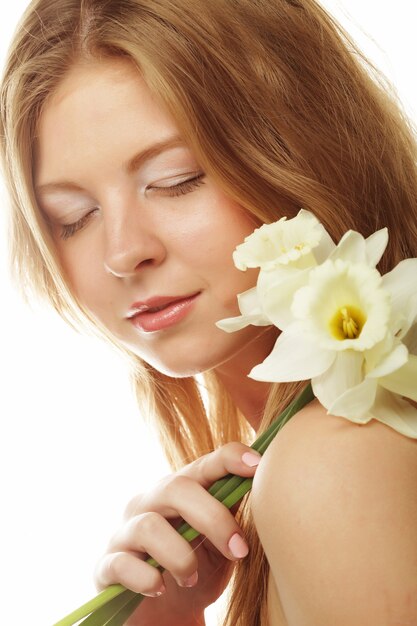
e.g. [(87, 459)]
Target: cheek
[(216, 228), (86, 276), (215, 241)]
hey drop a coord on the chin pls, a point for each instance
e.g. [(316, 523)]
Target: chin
[(194, 355), (179, 370)]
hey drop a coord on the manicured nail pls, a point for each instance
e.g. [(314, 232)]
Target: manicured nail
[(158, 593), (238, 546), (191, 581), (251, 459)]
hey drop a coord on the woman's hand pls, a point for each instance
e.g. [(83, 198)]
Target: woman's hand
[(197, 572)]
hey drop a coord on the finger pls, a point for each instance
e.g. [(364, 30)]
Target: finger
[(131, 572), (186, 498), (152, 534), (232, 458)]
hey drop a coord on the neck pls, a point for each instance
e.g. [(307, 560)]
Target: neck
[(249, 395)]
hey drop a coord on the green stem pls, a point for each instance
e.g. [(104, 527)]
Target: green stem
[(92, 605), (229, 490), (120, 617), (101, 616)]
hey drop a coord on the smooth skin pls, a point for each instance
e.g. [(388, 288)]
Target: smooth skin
[(345, 501)]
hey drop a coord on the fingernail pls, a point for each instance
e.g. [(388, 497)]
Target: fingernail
[(191, 581), (251, 459), (158, 593), (238, 546)]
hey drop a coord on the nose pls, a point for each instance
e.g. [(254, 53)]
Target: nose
[(132, 243)]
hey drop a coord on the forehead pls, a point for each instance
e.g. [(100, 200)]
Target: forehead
[(93, 90), (99, 110)]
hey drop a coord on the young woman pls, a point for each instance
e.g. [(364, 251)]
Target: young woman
[(142, 141)]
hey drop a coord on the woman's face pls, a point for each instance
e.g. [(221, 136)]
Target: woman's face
[(137, 223)]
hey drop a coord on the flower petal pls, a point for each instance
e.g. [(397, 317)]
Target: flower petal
[(338, 286), (404, 320), (294, 357), (285, 242), (400, 283), (404, 380), (276, 291), (344, 373), (250, 305), (356, 402), (375, 246), (379, 351), (391, 410), (250, 308), (396, 358), (410, 339), (232, 324), (325, 247), (248, 301), (351, 247)]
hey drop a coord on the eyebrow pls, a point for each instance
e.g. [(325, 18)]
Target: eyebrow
[(151, 152), (132, 165)]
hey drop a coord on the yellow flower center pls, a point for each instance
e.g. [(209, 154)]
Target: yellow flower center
[(347, 323)]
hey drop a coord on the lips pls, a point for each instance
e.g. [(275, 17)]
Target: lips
[(161, 311)]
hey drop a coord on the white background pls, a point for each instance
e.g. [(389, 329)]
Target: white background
[(73, 448)]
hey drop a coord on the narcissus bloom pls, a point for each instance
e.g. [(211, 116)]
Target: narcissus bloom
[(285, 242), (284, 251), (346, 327)]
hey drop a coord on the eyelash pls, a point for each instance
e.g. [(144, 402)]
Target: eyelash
[(182, 188), (68, 230)]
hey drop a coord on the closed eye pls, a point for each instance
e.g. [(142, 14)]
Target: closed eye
[(182, 188), (68, 230)]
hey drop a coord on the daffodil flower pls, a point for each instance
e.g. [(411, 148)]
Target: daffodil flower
[(353, 334), (390, 372), (276, 293), (350, 330), (284, 251), (285, 242)]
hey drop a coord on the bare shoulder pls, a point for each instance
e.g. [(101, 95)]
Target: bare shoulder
[(335, 506)]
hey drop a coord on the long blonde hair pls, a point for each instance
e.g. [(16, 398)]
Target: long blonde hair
[(281, 110)]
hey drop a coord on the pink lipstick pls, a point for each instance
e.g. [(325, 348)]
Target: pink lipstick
[(161, 312)]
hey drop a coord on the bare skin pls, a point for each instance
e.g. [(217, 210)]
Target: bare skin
[(344, 500)]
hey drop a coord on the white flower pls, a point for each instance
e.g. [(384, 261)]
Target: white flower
[(276, 289), (251, 311), (353, 333), (285, 242), (284, 251), (299, 245), (354, 247), (391, 368), (350, 330)]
